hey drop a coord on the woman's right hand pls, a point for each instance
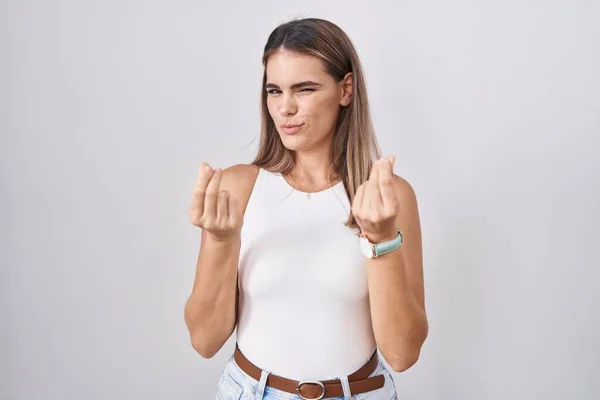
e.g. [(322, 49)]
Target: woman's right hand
[(212, 209)]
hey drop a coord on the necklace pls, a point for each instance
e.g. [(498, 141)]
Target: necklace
[(308, 195)]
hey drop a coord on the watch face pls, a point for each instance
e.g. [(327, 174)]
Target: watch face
[(366, 247)]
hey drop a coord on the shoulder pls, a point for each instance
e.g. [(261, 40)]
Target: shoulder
[(403, 189), (407, 199), (239, 181), (240, 173)]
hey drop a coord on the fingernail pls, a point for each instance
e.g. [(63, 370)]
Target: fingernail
[(207, 168)]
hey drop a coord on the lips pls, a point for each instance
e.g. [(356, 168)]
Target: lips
[(291, 129), (291, 125)]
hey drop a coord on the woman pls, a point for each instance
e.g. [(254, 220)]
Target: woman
[(313, 251)]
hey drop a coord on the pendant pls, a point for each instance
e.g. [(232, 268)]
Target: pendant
[(308, 196)]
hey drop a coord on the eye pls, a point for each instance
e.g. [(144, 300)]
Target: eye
[(307, 90), (272, 91)]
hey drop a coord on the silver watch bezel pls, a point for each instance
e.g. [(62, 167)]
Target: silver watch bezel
[(365, 244), (367, 248)]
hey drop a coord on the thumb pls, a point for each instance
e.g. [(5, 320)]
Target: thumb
[(392, 160)]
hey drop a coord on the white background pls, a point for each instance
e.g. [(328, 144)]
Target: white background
[(108, 108)]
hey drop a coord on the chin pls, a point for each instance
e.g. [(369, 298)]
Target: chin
[(293, 143)]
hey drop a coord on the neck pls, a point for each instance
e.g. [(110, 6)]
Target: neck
[(312, 172)]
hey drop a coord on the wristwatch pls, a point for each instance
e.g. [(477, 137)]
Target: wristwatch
[(374, 250)]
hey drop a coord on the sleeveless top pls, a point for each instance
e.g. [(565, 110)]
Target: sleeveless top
[(303, 295)]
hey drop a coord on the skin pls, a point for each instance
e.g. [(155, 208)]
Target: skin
[(383, 204), (316, 105)]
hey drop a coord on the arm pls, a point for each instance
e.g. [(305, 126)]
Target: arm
[(210, 312), (395, 280), (211, 309), (396, 286)]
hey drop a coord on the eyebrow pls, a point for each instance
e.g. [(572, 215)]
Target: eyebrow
[(294, 86)]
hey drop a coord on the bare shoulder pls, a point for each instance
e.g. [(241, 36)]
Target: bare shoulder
[(403, 187), (239, 181), (409, 208)]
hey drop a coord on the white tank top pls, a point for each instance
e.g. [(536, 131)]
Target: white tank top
[(304, 307)]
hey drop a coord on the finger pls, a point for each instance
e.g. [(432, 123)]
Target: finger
[(386, 187), (374, 170), (358, 198), (392, 159), (234, 211), (373, 195), (204, 174), (212, 191), (223, 206)]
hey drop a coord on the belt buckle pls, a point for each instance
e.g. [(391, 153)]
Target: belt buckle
[(307, 382)]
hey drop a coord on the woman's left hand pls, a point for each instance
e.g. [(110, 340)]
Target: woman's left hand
[(375, 205)]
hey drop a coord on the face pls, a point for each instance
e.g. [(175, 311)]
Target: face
[(302, 94)]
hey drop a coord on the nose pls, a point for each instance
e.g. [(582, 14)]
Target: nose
[(288, 105)]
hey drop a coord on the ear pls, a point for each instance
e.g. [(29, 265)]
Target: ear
[(346, 86)]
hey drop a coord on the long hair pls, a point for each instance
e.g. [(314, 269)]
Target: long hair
[(354, 146)]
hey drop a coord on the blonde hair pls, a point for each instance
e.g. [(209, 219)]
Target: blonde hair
[(354, 146)]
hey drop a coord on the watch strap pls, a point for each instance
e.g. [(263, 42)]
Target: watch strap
[(390, 245)]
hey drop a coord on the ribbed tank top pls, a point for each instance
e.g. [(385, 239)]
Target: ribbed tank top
[(303, 307)]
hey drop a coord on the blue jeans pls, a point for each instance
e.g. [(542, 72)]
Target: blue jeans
[(235, 384)]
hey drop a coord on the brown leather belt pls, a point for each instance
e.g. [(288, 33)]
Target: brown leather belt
[(359, 381)]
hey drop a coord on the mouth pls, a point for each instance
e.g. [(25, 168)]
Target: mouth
[(290, 129)]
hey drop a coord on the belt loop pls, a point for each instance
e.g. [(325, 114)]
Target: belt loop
[(260, 390), (346, 388)]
